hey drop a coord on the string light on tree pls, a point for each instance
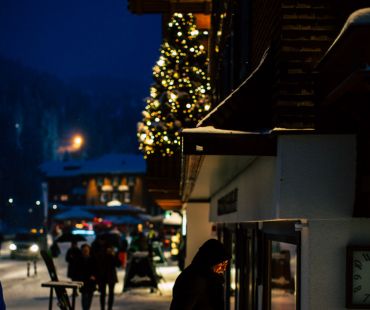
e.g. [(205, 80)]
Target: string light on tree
[(179, 96)]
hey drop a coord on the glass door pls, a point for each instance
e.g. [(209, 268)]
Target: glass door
[(241, 276), (281, 256)]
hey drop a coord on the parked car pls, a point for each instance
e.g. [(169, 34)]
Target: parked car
[(26, 245)]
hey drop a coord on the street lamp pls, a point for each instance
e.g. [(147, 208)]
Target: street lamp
[(72, 145), (77, 142)]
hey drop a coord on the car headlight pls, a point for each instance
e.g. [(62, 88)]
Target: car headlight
[(12, 247), (34, 248)]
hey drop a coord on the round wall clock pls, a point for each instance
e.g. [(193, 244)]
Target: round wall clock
[(358, 277)]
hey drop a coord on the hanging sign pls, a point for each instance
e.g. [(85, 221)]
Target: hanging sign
[(228, 203)]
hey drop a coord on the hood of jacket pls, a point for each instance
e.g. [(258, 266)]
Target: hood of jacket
[(210, 253)]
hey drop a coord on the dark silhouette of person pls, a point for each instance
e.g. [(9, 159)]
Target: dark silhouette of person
[(106, 274), (122, 250), (86, 273), (54, 249), (201, 284), (2, 301), (72, 256), (139, 242), (1, 241)]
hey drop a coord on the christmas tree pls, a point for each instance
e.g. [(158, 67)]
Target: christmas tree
[(179, 97)]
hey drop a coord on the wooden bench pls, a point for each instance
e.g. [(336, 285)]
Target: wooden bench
[(60, 287)]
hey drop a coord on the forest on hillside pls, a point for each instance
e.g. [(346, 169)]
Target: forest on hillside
[(39, 113)]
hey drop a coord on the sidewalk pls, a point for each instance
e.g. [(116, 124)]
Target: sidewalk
[(142, 299), (26, 293)]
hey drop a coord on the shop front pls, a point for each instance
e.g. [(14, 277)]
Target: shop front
[(285, 214)]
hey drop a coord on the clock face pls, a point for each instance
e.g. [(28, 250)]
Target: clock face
[(358, 277), (361, 277)]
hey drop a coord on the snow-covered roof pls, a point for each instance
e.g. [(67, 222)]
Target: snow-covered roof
[(213, 130), (358, 18), (234, 97), (110, 163)]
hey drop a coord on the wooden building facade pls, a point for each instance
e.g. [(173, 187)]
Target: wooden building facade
[(280, 166)]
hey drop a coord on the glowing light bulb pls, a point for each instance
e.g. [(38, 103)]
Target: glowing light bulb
[(77, 142)]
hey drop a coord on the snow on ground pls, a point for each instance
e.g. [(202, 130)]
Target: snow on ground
[(25, 293)]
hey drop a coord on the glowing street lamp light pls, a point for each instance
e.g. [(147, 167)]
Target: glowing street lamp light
[(77, 142)]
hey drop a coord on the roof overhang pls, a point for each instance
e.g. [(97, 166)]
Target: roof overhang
[(211, 141), (201, 141), (344, 69), (212, 155), (356, 83), (248, 107)]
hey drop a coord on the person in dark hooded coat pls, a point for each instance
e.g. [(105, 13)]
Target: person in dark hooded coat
[(200, 285)]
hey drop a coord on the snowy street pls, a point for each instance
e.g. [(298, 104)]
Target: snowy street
[(25, 293)]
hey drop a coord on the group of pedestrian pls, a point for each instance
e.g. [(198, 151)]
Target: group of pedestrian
[(95, 266), (199, 286)]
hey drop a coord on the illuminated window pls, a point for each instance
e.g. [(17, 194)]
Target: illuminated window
[(123, 188), (127, 197), (104, 197), (107, 188), (63, 197), (131, 181), (115, 196)]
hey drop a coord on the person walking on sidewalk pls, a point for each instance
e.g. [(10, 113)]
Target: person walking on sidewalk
[(200, 285), (106, 263), (72, 256), (86, 273)]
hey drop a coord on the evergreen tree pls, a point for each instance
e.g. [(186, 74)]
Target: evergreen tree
[(179, 97)]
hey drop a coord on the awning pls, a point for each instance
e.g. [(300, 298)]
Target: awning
[(74, 214), (247, 108), (124, 219), (211, 141)]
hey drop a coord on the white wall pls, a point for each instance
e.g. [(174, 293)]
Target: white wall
[(324, 260), (312, 176), (255, 186), (199, 228), (315, 176)]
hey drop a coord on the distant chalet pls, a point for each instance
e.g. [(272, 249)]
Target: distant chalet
[(112, 179)]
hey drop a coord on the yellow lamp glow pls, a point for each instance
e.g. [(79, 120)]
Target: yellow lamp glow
[(77, 142)]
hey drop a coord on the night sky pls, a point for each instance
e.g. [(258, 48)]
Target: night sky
[(74, 38)]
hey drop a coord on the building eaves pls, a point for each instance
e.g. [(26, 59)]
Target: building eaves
[(248, 107), (344, 69)]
